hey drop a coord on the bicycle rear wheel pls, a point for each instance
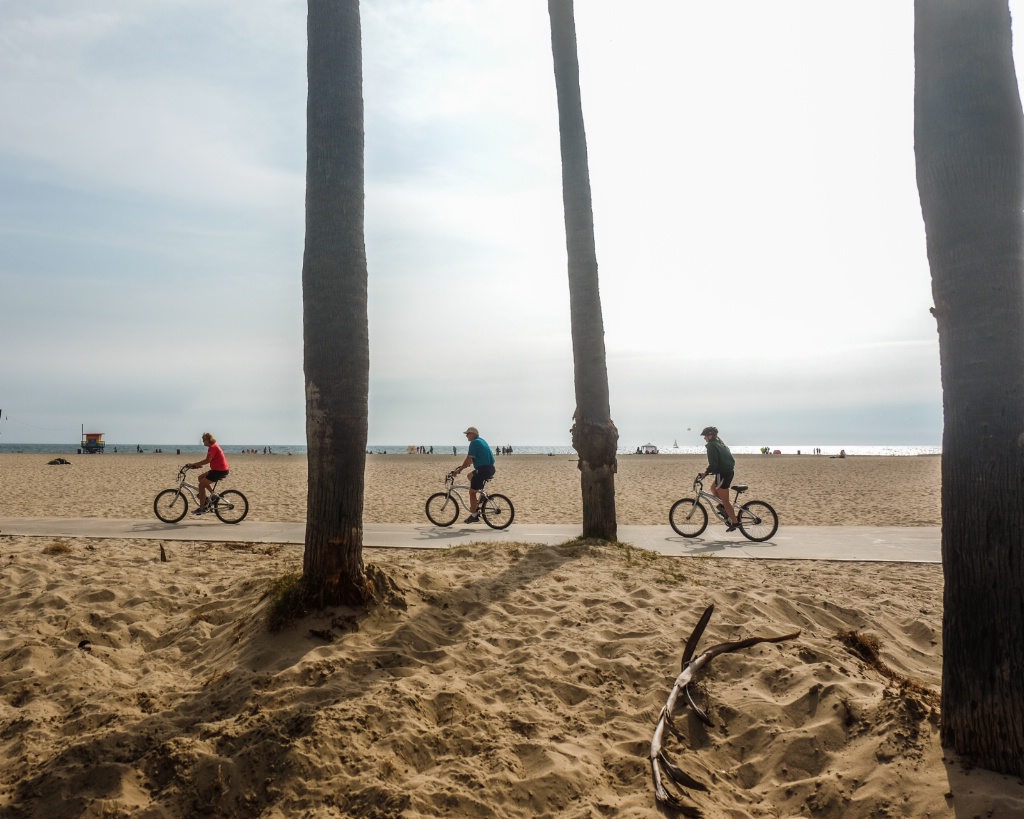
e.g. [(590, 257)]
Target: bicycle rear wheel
[(170, 505), (231, 506), (758, 521), (442, 509), (687, 517), (498, 511)]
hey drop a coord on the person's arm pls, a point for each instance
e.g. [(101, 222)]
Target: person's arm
[(712, 460), (198, 464), (469, 457)]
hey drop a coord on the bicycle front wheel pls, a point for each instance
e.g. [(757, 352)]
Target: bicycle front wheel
[(687, 517), (170, 505), (231, 506), (758, 521), (498, 511), (442, 509)]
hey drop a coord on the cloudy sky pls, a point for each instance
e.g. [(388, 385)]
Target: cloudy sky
[(759, 233)]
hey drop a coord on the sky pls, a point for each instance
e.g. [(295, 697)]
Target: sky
[(759, 236)]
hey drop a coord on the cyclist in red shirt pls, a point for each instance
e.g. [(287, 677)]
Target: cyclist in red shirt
[(218, 470)]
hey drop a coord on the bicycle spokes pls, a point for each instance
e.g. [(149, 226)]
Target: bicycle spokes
[(498, 511)]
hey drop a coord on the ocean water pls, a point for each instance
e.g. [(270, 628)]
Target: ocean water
[(446, 449)]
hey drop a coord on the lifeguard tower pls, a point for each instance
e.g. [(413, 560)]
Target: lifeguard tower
[(92, 443)]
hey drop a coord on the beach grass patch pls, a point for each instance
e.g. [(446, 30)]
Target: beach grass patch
[(465, 550), (58, 547), (868, 648), (287, 601), (253, 547), (290, 599), (632, 555), (579, 547)]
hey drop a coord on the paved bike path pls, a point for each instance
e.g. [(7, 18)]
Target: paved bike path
[(911, 544)]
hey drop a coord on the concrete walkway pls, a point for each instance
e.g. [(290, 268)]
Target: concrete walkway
[(917, 544)]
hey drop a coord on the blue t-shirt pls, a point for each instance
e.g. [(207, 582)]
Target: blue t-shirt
[(480, 453)]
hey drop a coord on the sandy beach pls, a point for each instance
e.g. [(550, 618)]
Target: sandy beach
[(805, 489), (509, 680)]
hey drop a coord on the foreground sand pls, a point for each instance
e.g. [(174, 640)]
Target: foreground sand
[(807, 490), (508, 680), (499, 680)]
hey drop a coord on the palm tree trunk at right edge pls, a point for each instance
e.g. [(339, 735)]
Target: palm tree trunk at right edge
[(594, 436), (969, 147)]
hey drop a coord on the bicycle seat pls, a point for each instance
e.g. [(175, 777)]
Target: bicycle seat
[(740, 487)]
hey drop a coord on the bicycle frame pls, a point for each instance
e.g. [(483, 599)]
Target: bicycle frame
[(454, 490), (714, 500), (193, 489)]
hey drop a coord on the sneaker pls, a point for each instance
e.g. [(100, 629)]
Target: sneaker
[(202, 510), (472, 519), (732, 527)]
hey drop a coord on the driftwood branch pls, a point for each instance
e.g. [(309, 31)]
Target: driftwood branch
[(662, 770)]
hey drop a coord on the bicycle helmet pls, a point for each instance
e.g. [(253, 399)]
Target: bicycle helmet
[(709, 431)]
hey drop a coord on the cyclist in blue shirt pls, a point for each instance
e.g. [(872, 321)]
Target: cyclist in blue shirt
[(482, 459)]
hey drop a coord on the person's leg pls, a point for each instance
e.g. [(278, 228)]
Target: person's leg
[(204, 488), (477, 479), (480, 477), (475, 485), (722, 493)]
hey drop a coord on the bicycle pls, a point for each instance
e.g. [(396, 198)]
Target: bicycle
[(443, 507), (758, 520), (171, 505)]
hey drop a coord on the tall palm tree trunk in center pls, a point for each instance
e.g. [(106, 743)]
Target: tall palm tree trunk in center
[(336, 353), (594, 436)]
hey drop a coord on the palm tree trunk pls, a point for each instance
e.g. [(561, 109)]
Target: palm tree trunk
[(334, 279), (969, 145), (594, 436)]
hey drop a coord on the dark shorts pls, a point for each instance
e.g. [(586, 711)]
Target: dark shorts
[(481, 474), (723, 480), (216, 475)]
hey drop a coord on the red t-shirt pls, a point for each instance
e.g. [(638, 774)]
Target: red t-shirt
[(217, 459)]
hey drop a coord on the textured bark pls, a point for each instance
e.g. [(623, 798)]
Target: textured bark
[(335, 328), (969, 146), (594, 436)]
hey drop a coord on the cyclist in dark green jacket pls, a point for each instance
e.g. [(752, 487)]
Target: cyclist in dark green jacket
[(722, 465)]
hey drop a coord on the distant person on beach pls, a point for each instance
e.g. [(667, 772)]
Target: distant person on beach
[(218, 470), (842, 454), (722, 465), (482, 459)]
